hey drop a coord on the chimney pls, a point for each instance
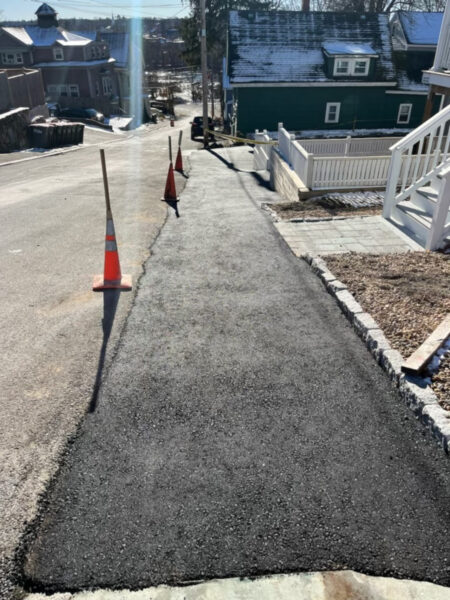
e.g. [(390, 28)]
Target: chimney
[(305, 5)]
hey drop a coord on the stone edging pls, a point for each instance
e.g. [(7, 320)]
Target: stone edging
[(420, 399)]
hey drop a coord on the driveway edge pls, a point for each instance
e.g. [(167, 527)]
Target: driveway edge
[(420, 398)]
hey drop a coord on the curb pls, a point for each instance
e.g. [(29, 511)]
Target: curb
[(420, 398)]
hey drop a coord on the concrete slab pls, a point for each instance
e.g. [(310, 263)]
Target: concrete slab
[(373, 235)]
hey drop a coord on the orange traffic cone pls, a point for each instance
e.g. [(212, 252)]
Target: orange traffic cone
[(179, 161), (112, 278), (170, 193)]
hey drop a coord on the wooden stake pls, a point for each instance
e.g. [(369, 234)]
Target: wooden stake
[(105, 184), (419, 359)]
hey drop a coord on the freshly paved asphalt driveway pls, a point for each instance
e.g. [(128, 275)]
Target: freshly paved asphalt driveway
[(243, 428)]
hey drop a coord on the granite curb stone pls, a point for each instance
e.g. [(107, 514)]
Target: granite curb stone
[(414, 390)]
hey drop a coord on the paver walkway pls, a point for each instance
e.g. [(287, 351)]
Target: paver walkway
[(360, 234), (243, 429)]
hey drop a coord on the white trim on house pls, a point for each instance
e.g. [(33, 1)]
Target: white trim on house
[(317, 84), (407, 92), (351, 66), (402, 113), (330, 108)]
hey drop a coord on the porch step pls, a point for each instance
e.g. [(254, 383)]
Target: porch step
[(425, 198), (416, 219)]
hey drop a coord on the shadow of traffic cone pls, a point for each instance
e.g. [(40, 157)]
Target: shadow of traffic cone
[(112, 278), (179, 161), (170, 193)]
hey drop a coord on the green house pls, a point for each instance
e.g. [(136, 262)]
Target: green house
[(317, 71)]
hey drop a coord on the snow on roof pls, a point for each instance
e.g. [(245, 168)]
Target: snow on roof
[(20, 34), (32, 35), (118, 43), (347, 48), (421, 27), (118, 46), (285, 46), (409, 82)]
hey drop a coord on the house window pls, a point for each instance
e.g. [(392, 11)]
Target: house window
[(74, 90), (107, 85), (12, 58), (58, 54), (332, 112), (361, 67), (351, 66), (404, 114), (63, 89), (341, 67)]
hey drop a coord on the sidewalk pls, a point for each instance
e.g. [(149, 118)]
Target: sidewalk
[(243, 429)]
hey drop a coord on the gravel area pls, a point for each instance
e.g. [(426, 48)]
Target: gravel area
[(407, 294)]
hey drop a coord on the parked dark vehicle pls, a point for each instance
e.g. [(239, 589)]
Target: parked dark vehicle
[(197, 127), (81, 113)]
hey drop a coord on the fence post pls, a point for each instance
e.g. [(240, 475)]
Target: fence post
[(309, 170), (347, 145), (291, 140), (391, 184)]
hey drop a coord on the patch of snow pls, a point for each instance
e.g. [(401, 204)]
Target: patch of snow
[(348, 48), (20, 34), (433, 365)]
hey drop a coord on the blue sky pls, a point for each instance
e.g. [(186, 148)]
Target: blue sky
[(25, 9)]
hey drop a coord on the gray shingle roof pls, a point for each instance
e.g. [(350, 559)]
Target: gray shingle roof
[(286, 46)]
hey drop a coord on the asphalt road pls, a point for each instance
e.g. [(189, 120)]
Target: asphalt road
[(243, 428), (52, 213)]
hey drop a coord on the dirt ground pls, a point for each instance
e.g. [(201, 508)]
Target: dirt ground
[(408, 295), (310, 208)]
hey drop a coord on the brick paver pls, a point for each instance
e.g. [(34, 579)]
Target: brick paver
[(373, 235)]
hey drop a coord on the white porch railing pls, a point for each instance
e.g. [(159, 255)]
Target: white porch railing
[(346, 169), (406, 174)]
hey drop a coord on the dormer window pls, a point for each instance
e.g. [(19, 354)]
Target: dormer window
[(58, 53), (345, 59), (361, 66)]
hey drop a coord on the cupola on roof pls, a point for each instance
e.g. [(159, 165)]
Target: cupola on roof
[(45, 10)]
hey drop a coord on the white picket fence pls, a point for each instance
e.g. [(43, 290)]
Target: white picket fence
[(348, 163), (349, 146)]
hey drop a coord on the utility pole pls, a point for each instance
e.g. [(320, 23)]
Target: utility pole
[(212, 94), (204, 73)]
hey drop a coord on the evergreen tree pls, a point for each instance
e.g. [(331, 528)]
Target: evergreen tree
[(216, 28)]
